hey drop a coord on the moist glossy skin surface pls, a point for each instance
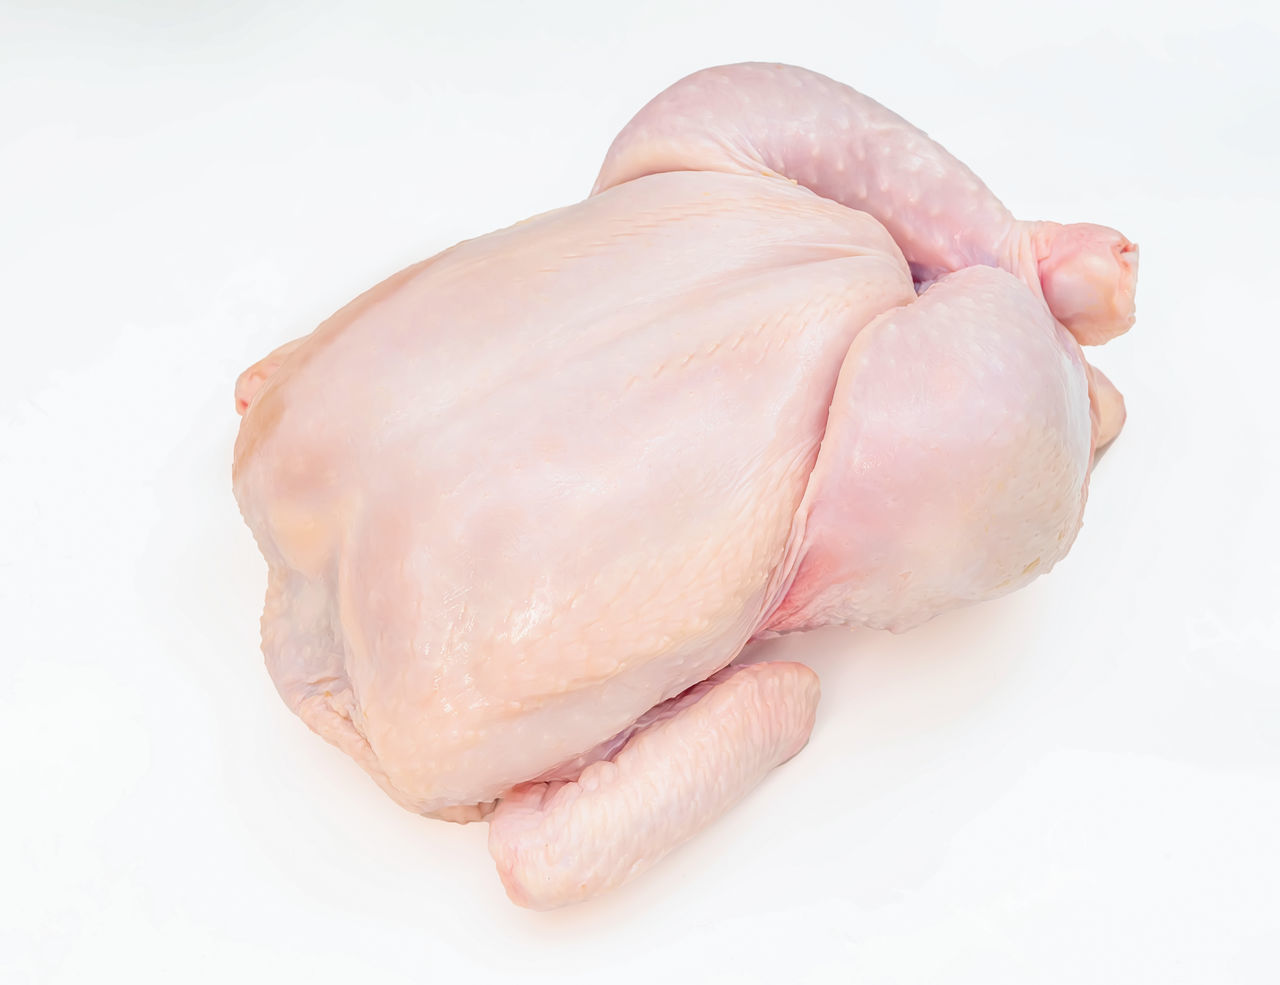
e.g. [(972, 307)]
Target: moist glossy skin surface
[(524, 503)]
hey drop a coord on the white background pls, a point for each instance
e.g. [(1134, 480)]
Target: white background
[(1079, 783)]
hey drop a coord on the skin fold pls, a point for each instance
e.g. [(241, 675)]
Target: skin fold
[(790, 364)]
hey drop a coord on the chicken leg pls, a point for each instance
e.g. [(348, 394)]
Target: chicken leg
[(782, 121)]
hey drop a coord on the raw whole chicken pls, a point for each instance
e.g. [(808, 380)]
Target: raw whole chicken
[(790, 364)]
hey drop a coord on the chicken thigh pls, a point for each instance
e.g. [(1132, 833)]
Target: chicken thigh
[(790, 364)]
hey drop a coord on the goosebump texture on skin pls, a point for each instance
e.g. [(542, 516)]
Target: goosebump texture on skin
[(524, 503)]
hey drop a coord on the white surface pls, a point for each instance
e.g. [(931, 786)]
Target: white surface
[(1080, 783)]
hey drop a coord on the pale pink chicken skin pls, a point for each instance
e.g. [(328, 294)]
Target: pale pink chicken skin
[(524, 503)]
